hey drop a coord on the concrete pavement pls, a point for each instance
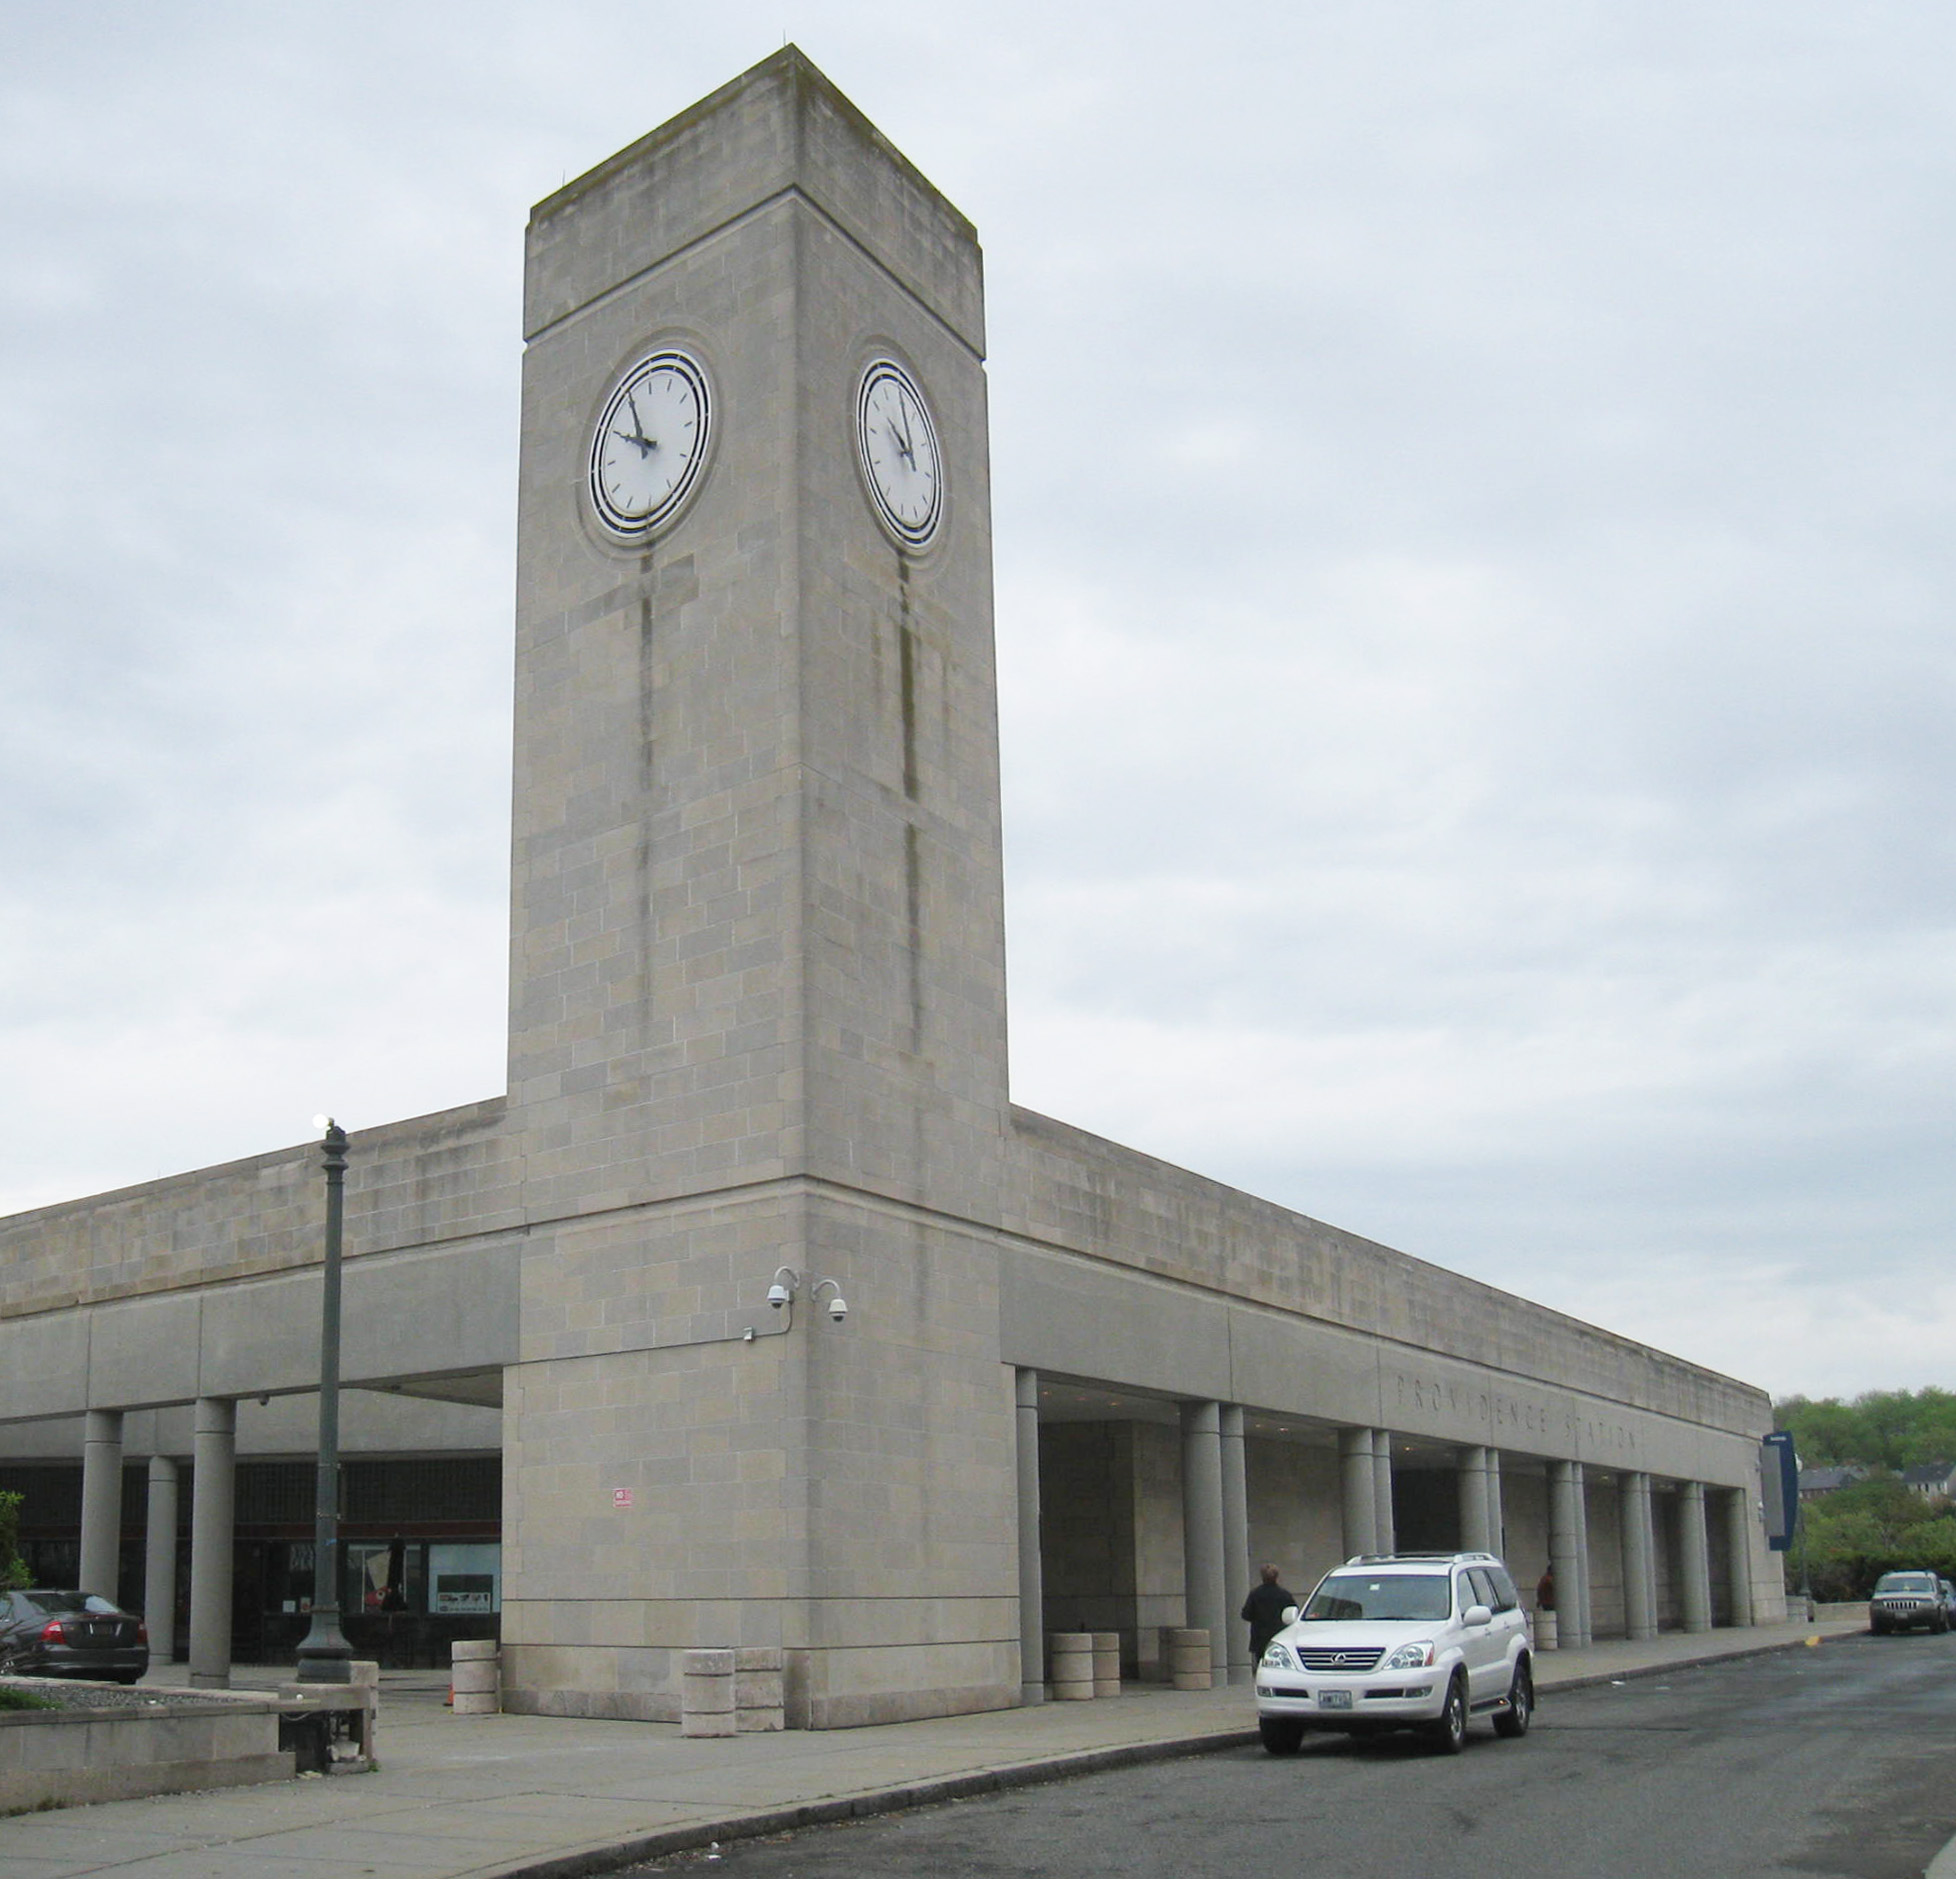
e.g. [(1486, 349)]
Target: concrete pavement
[(493, 1797)]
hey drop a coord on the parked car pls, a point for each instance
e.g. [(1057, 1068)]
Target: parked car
[(1400, 1641), (1948, 1598), (45, 1633), (1903, 1600)]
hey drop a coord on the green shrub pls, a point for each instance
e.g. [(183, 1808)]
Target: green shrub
[(13, 1569)]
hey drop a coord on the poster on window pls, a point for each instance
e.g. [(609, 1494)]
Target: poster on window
[(464, 1577)]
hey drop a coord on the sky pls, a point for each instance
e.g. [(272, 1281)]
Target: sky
[(1472, 530)]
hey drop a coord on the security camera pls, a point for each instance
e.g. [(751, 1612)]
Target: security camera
[(782, 1291), (838, 1308), (778, 1295)]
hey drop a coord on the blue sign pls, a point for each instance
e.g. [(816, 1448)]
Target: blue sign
[(1779, 1488)]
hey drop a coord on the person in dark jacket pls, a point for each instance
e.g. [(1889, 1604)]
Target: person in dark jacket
[(1263, 1612)]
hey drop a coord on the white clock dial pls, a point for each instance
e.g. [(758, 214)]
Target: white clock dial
[(898, 443), (650, 443)]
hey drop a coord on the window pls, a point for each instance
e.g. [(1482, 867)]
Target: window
[(464, 1576), (1345, 1597)]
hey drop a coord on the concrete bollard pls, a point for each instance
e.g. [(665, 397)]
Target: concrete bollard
[(758, 1705), (706, 1699), (476, 1676), (1072, 1655), (1188, 1660), (1106, 1663), (1545, 1632)]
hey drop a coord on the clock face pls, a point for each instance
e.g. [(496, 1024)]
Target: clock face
[(649, 445), (898, 443)]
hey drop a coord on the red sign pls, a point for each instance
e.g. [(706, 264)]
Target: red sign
[(621, 1497)]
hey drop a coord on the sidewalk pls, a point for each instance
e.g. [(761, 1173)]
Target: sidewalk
[(492, 1797)]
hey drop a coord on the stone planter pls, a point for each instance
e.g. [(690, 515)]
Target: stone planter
[(1106, 1663), (135, 1743), (1072, 1657), (475, 1677), (1188, 1659)]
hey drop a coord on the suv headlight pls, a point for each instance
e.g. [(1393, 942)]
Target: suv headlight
[(1277, 1658), (1410, 1657)]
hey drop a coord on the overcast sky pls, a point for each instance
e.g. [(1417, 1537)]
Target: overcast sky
[(1474, 563)]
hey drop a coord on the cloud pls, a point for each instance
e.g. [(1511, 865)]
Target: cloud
[(1471, 499)]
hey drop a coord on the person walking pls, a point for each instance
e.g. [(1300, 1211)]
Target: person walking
[(1263, 1612)]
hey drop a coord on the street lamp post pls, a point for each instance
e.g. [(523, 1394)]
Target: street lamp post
[(325, 1656)]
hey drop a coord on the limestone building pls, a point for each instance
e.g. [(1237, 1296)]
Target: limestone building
[(758, 1041)]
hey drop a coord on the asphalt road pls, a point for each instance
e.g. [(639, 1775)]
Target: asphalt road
[(1838, 1760)]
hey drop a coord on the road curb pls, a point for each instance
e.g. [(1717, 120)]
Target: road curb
[(1811, 1641), (611, 1855)]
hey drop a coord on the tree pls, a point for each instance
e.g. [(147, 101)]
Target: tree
[(1892, 1429), (13, 1568), (1856, 1534)]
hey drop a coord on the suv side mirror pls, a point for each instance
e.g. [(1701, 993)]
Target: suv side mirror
[(1477, 1615), (1290, 1614)]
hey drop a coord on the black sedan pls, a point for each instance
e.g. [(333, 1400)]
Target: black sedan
[(70, 1634)]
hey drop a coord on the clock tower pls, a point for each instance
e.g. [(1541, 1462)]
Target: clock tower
[(757, 999)]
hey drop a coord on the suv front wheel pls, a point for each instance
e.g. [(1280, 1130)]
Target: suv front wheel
[(1450, 1731), (1280, 1735)]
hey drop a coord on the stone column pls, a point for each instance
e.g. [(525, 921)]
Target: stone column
[(1475, 1536), (1382, 1490), (1647, 1516), (1236, 1542), (1361, 1510), (160, 1560), (1032, 1587), (1739, 1529), (213, 1461), (1694, 1558), (1564, 1536), (1496, 1517), (1639, 1587), (1585, 1610), (1202, 1530), (101, 1508)]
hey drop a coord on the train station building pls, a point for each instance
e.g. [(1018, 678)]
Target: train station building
[(1014, 1378)]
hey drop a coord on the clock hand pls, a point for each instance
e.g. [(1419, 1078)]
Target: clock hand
[(905, 448), (646, 445)]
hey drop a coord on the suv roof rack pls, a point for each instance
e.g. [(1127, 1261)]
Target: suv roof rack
[(1384, 1559)]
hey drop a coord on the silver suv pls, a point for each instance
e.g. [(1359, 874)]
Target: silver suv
[(1400, 1641), (1902, 1600)]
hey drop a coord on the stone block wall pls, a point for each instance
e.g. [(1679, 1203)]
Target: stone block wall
[(426, 1181)]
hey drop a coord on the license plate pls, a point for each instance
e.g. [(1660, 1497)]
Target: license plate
[(1334, 1699)]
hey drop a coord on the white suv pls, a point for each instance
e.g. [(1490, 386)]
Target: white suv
[(1400, 1641)]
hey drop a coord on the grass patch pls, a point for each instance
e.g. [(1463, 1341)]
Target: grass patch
[(24, 1699)]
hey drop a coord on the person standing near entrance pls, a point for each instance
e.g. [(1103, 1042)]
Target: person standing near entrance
[(1263, 1611)]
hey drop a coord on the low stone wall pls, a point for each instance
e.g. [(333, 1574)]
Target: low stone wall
[(129, 1743)]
